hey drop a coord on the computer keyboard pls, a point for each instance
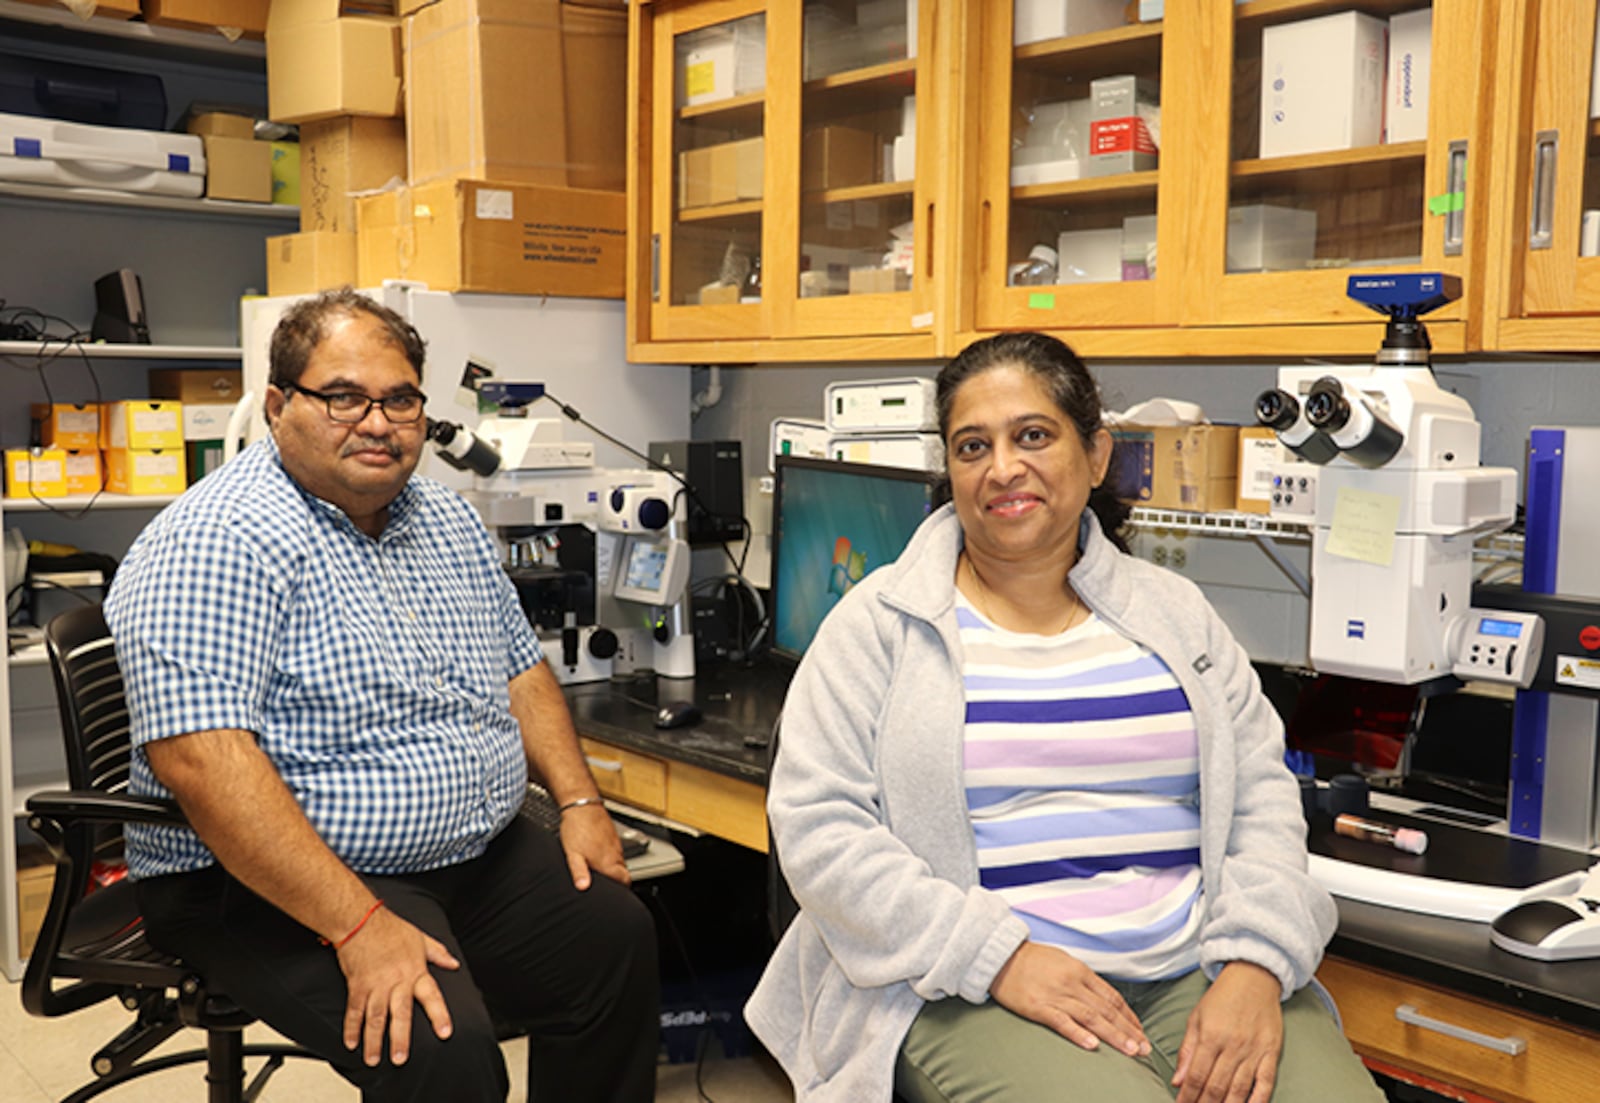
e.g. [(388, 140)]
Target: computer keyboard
[(541, 808)]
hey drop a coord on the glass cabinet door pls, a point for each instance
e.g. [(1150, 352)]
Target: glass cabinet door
[(1555, 232), (1348, 137), (852, 240), (708, 129), (1075, 219)]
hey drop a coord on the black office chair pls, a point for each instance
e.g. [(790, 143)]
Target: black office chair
[(92, 945)]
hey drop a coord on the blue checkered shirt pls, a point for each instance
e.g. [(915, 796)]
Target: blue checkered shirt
[(374, 673)]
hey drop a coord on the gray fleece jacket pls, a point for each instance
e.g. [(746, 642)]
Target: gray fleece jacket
[(870, 818)]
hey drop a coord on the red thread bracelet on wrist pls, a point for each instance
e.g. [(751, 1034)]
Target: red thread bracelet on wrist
[(337, 946)]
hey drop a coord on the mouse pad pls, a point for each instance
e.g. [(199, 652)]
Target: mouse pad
[(1454, 853)]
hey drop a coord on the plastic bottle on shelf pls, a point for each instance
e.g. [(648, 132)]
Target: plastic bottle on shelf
[(751, 291), (1039, 270)]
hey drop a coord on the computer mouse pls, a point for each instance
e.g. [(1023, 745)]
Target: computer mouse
[(1550, 930), (677, 714)]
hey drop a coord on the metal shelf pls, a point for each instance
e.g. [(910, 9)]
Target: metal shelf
[(74, 502), (102, 197), (1219, 524), (53, 24), (56, 349)]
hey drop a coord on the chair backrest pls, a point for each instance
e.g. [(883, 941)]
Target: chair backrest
[(89, 691)]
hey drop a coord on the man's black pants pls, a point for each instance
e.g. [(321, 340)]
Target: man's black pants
[(577, 970)]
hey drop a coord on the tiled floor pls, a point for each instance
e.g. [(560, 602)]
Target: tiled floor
[(42, 1060)]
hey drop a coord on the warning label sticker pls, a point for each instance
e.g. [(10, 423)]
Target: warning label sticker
[(1572, 670)]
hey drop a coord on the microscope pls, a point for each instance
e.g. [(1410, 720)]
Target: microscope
[(1388, 479), (599, 556)]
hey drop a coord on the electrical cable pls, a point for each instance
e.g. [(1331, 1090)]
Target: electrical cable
[(655, 465), (46, 357)]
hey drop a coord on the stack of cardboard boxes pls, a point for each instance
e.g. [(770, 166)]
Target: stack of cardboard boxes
[(499, 167), (1197, 468), (158, 445)]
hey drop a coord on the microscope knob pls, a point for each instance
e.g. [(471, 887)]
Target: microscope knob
[(602, 643), (662, 632)]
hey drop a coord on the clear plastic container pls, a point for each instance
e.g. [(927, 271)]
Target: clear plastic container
[(1039, 270)]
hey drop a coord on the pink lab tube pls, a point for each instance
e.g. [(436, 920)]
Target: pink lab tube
[(1407, 839)]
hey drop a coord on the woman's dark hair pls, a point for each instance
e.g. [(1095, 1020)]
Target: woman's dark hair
[(1069, 385), (305, 325)]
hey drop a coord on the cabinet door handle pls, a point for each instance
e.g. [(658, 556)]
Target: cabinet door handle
[(930, 241), (983, 238), (1455, 218), (1510, 1045), (610, 766), (1545, 149), (655, 268)]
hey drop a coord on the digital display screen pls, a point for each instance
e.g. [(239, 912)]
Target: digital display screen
[(1494, 626), (646, 564), (833, 524)]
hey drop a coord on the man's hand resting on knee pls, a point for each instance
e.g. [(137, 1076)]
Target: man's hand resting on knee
[(385, 965)]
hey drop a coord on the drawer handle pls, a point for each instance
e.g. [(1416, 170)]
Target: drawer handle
[(609, 765), (1510, 1045)]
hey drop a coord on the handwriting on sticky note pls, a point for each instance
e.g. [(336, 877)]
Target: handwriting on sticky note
[(1363, 526)]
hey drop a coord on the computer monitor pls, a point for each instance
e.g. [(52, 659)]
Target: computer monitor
[(833, 523)]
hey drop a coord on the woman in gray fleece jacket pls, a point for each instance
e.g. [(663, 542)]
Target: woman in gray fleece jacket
[(901, 971)]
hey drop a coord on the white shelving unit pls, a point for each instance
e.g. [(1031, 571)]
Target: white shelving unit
[(195, 258)]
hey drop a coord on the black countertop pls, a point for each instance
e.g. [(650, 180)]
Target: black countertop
[(739, 706)]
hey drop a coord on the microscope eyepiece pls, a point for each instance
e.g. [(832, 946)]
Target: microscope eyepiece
[(1326, 406), (1277, 409)]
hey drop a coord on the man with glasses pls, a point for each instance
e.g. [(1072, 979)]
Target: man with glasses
[(329, 670)]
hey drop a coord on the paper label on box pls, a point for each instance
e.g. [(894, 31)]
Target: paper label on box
[(1126, 135), (78, 421), (155, 465), (700, 79), (1257, 457), (155, 421), (83, 466), (495, 205), (38, 470)]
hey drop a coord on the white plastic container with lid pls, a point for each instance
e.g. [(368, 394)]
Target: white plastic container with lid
[(107, 158)]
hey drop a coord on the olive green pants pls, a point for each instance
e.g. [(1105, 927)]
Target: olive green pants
[(959, 1052)]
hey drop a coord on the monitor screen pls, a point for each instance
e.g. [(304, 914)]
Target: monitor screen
[(646, 566), (652, 570), (833, 523)]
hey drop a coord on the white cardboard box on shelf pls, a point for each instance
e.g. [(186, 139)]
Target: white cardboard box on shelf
[(1263, 237), (1038, 20), (1405, 116), (1090, 256), (721, 61), (1322, 84), (49, 151)]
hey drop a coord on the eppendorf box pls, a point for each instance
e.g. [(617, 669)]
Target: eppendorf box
[(1322, 84), (1119, 137)]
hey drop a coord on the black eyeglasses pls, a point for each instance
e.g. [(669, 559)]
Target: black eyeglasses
[(352, 407)]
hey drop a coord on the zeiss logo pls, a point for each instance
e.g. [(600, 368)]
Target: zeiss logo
[(1355, 629)]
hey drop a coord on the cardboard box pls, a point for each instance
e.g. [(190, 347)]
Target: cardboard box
[(1196, 467), (67, 424), (474, 235), (1322, 84), (1267, 238), (878, 281), (1405, 115), (146, 470), (485, 92), (305, 263), (723, 173), (36, 878), (719, 294), (1119, 138), (205, 421), (1131, 475), (321, 64), (722, 61), (1089, 256), (197, 385), (147, 423), (36, 475), (110, 9), (239, 169), (343, 158), (248, 16), (221, 124), (594, 58), (1038, 20), (286, 173), (1260, 457), (82, 470), (839, 157)]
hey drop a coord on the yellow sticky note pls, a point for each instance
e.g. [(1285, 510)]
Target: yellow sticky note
[(700, 78), (1363, 526)]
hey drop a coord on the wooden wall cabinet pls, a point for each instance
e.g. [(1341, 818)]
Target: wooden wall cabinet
[(1380, 207)]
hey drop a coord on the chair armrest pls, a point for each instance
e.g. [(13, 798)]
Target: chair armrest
[(69, 806)]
